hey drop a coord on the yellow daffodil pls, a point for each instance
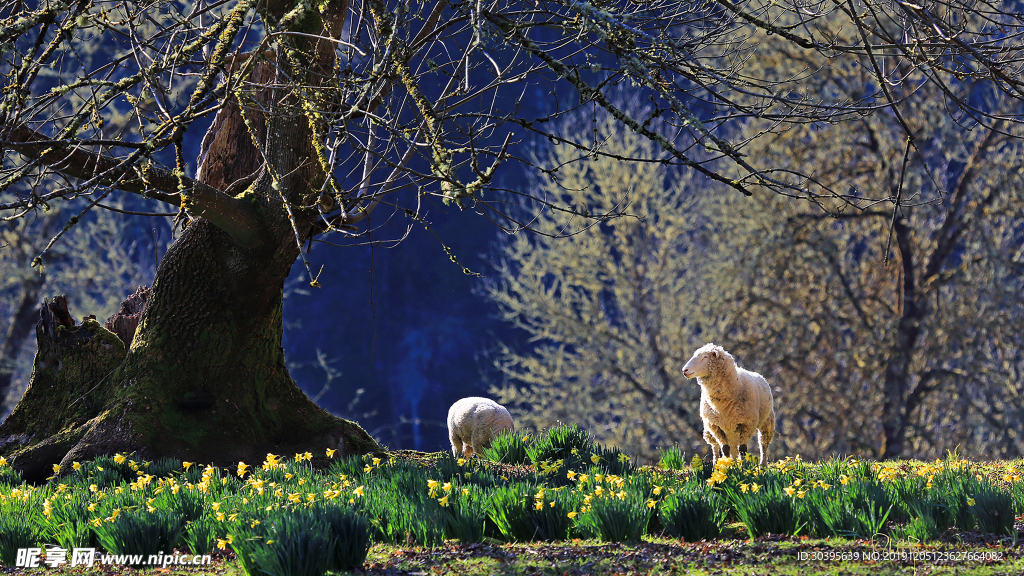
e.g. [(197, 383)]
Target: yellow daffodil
[(657, 490), (119, 459), (789, 490), (595, 458), (754, 488), (571, 514), (717, 477), (461, 461), (376, 461), (186, 465), (652, 503), (56, 468), (443, 501), (76, 466), (358, 491), (330, 452)]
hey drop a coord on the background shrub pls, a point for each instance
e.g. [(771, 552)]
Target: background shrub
[(614, 519), (693, 515), (141, 532), (509, 447), (15, 533), (521, 516), (672, 458)]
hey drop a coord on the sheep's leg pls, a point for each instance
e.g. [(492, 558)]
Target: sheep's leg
[(742, 436), (765, 434), (713, 442), (481, 440), (456, 444), (723, 440)]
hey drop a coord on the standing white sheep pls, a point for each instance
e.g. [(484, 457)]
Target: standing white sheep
[(734, 402), (474, 422)]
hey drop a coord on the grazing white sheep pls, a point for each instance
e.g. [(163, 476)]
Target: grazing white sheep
[(474, 422), (734, 402)]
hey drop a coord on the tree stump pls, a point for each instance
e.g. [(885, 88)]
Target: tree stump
[(69, 386)]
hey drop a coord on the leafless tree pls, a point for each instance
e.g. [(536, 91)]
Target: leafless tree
[(324, 112)]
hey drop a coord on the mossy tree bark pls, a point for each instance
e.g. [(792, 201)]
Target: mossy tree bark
[(204, 377)]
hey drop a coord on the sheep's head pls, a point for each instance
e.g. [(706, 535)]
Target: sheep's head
[(701, 363)]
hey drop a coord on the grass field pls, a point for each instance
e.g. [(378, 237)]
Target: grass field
[(555, 504)]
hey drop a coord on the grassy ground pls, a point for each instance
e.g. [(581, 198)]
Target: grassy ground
[(285, 487), (787, 556), (783, 556)]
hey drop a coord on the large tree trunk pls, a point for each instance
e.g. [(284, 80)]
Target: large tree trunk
[(898, 370), (204, 378)]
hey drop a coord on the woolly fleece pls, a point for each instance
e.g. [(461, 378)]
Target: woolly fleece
[(734, 402), (474, 422)]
